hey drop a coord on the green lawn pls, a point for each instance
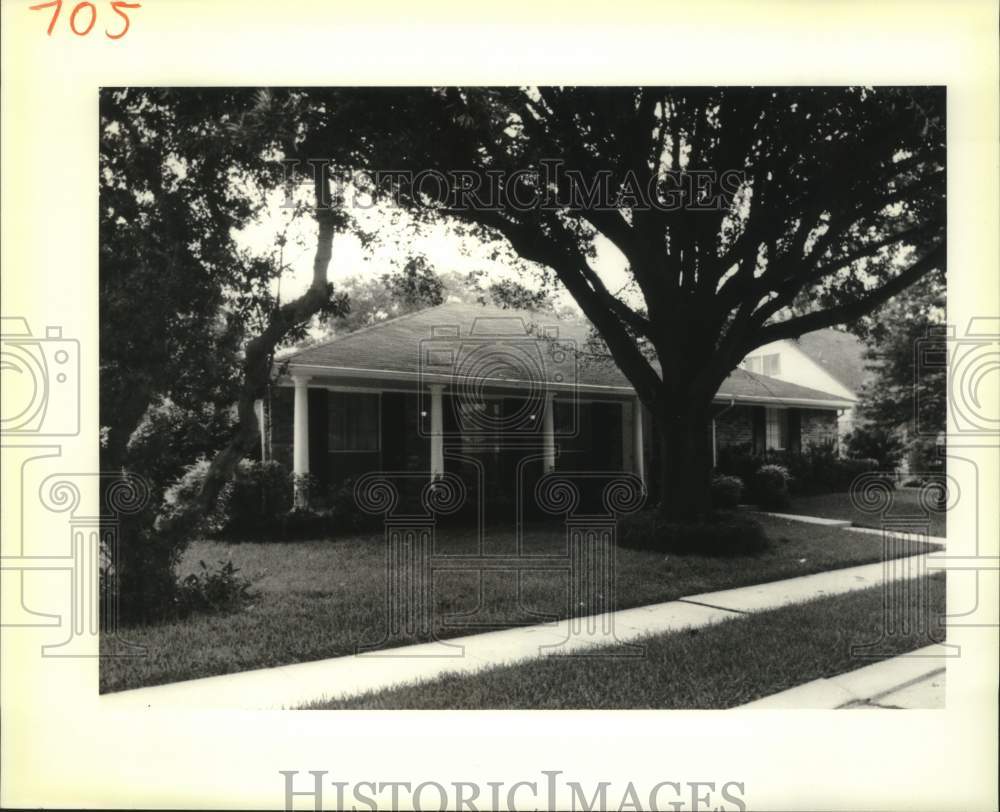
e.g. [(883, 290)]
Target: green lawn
[(719, 666), (905, 503), (322, 599)]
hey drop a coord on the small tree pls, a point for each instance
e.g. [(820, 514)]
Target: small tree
[(905, 399), (873, 443), (187, 317)]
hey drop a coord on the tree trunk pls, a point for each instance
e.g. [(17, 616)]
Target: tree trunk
[(257, 370), (256, 376), (685, 462)]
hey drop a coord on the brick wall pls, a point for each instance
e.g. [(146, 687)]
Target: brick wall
[(734, 427)]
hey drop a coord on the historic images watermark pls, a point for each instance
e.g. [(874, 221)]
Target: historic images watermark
[(37, 373), (908, 608), (549, 790), (41, 409), (970, 361), (550, 186), (487, 401)]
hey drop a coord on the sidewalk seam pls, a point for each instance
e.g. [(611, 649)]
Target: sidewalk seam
[(919, 678), (714, 606)]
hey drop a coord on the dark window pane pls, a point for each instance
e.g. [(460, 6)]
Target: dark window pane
[(353, 421)]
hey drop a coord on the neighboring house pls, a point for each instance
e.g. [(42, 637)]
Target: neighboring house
[(829, 360), (503, 394)]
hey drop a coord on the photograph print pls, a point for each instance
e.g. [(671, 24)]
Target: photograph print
[(522, 397)]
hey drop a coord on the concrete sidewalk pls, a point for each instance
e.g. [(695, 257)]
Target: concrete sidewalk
[(913, 680), (293, 685), (901, 534), (849, 525)]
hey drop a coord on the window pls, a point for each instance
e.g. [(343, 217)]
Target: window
[(354, 418), (751, 364), (772, 364), (777, 429)]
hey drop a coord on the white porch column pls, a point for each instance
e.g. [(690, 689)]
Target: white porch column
[(549, 432), (640, 461), (437, 433), (258, 407), (300, 436)]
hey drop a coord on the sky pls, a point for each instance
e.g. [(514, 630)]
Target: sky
[(397, 237)]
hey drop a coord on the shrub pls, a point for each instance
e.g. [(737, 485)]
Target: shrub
[(817, 469), (722, 535), (926, 455), (259, 494), (303, 523), (138, 574), (181, 494), (344, 513), (219, 590), (169, 436), (851, 469), (739, 461), (251, 505), (771, 486), (871, 442), (142, 581), (726, 491), (306, 485)]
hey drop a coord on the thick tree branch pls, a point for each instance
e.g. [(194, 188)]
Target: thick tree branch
[(572, 270), (840, 314), (257, 363)]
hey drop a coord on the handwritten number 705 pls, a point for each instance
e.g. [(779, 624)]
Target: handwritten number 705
[(84, 15)]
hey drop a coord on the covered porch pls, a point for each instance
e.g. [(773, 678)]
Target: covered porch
[(495, 436), (498, 398)]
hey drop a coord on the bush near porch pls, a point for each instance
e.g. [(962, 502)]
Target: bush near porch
[(818, 469), (317, 599), (258, 504)]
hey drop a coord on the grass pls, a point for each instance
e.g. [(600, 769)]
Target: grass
[(320, 599), (718, 666), (905, 503)]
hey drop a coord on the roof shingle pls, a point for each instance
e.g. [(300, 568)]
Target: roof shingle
[(496, 344), (840, 354)]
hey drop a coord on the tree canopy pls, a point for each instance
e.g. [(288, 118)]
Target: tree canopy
[(907, 392)]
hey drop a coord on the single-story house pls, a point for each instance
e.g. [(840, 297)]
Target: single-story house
[(466, 385)]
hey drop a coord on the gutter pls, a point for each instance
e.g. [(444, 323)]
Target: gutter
[(447, 378), (818, 403)]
